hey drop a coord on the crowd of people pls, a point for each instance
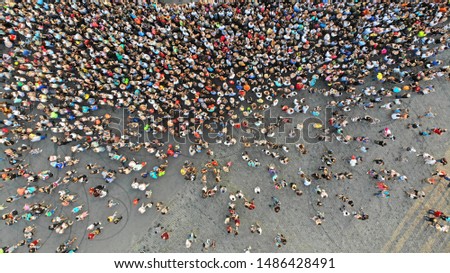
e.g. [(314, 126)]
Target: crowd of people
[(192, 69)]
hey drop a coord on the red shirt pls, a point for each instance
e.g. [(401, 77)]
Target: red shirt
[(165, 236), (229, 229), (438, 213)]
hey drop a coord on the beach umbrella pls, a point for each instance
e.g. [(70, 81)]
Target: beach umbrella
[(397, 89)]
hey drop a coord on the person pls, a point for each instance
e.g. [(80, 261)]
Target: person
[(112, 203), (256, 228), (232, 197), (344, 211), (94, 233), (93, 225), (34, 245), (249, 204), (191, 239), (115, 218), (276, 204), (209, 244), (353, 161), (382, 143), (165, 235), (415, 194), (77, 209), (98, 191), (148, 194), (12, 198), (379, 161), (82, 216), (280, 240)]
